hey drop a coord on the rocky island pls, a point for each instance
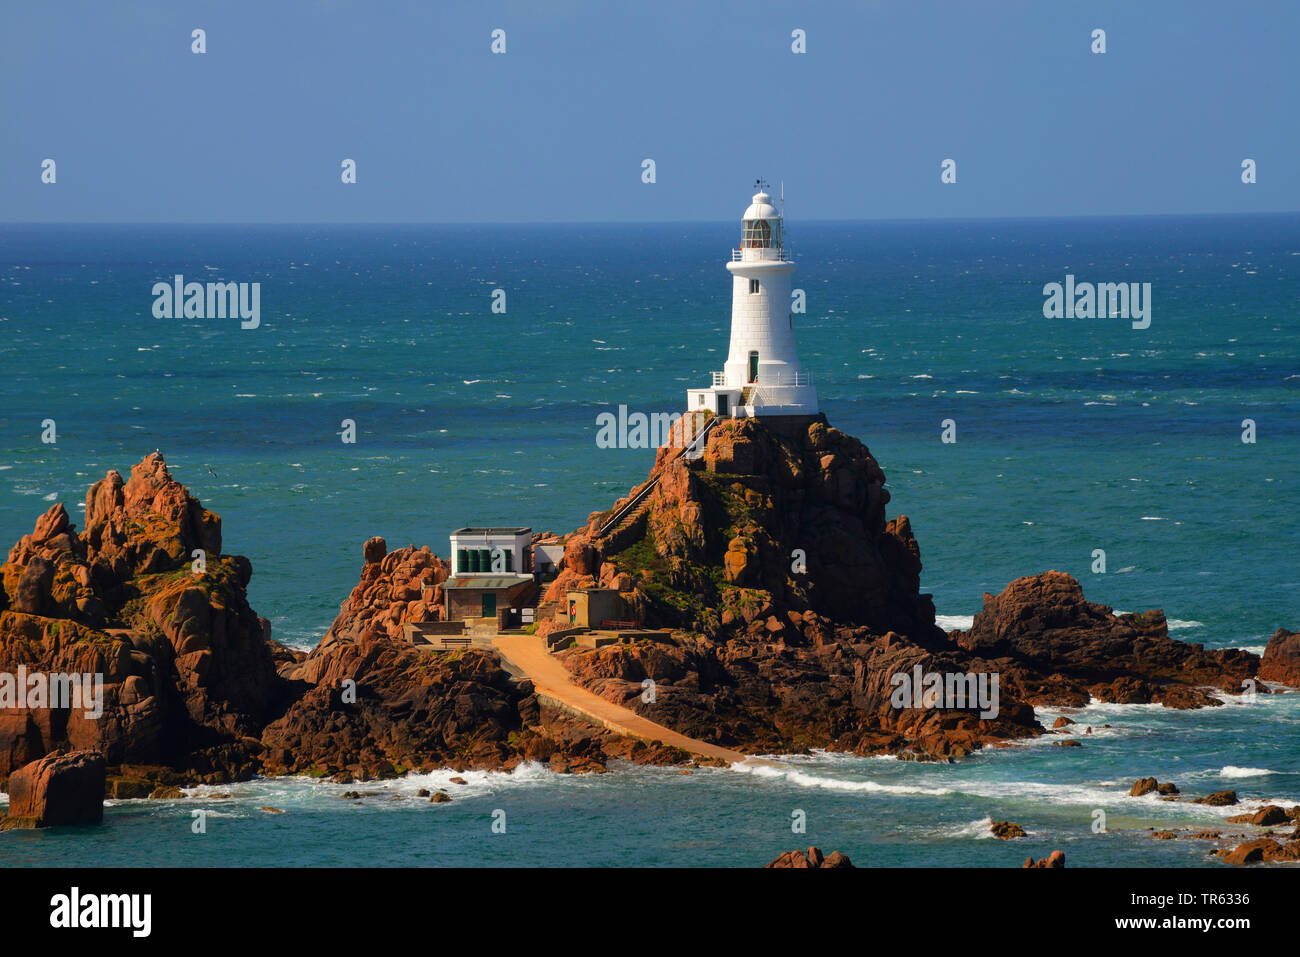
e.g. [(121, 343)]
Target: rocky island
[(789, 600)]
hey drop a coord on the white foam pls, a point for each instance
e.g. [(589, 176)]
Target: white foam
[(979, 830), (954, 622), (1232, 771), (1179, 624), (805, 780)]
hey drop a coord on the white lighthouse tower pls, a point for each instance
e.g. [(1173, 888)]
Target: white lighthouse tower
[(762, 375)]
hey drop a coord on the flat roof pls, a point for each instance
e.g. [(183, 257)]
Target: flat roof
[(486, 530), (485, 581)]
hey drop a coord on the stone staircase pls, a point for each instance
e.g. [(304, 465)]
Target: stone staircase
[(636, 506)]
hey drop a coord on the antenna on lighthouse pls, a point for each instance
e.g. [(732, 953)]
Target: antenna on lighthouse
[(783, 235)]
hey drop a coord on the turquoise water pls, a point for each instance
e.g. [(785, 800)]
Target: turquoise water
[(1072, 435)]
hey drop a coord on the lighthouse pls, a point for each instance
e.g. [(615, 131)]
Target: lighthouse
[(762, 375)]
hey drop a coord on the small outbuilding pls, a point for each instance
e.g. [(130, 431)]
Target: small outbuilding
[(596, 608)]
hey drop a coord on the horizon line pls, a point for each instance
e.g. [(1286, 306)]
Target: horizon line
[(644, 222)]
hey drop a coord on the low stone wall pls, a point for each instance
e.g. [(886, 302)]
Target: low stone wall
[(422, 631), (557, 638)]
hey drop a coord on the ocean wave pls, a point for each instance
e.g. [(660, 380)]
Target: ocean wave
[(806, 780), (1232, 771), (1179, 624), (1037, 792), (979, 830)]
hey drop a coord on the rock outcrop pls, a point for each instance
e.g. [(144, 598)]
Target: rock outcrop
[(812, 857), (145, 601), (795, 608), (790, 603), (1218, 799), (1006, 830), (395, 588), (1261, 850), (1146, 785), (57, 789), (1055, 648), (1054, 861), (373, 706), (1281, 660)]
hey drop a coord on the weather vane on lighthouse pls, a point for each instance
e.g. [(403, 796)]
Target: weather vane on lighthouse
[(762, 375)]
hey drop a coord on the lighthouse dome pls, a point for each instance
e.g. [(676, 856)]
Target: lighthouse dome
[(761, 208)]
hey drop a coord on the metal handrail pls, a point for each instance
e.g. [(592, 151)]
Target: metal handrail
[(784, 378), (654, 482), (738, 255)]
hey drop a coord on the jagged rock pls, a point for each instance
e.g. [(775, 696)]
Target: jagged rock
[(1218, 799), (1055, 860), (1269, 816), (1143, 786), (1056, 648), (812, 858), (187, 666), (775, 655), (1006, 830), (413, 709), (374, 550), (1281, 660), (1261, 850)]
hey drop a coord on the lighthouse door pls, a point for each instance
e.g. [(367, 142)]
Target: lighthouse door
[(753, 367)]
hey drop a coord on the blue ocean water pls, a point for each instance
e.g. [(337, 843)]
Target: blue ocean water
[(1072, 435)]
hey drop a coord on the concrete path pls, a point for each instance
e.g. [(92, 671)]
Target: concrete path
[(527, 655)]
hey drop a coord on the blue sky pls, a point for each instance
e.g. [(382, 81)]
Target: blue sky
[(556, 129)]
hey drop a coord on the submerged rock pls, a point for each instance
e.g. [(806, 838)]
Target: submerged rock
[(1218, 799), (1261, 850)]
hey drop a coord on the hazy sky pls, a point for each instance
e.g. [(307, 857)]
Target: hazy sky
[(556, 129)]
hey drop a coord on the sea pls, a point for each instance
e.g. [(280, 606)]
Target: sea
[(1073, 437)]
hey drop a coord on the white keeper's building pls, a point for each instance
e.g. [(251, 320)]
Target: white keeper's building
[(762, 375)]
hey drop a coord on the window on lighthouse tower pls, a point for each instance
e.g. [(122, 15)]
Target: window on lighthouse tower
[(758, 234)]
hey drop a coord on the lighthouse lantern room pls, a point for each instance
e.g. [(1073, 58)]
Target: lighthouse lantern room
[(762, 375)]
